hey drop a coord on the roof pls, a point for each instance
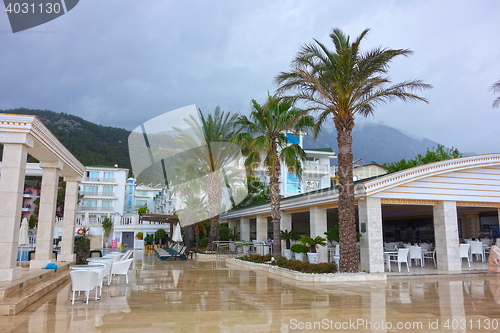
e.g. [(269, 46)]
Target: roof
[(326, 150), (31, 182)]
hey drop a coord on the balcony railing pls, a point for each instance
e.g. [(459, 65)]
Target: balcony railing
[(99, 179), (314, 167), (98, 194), (95, 209)]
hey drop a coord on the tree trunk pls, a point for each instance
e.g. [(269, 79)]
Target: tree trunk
[(197, 235), (347, 220), (275, 198), (214, 192)]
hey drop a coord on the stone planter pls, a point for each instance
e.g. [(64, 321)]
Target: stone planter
[(246, 249), (313, 257), (299, 256), (288, 254)]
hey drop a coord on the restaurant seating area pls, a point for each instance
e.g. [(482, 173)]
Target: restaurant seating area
[(90, 277)]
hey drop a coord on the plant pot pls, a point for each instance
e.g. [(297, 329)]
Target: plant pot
[(313, 257), (299, 256), (246, 248), (265, 250), (288, 254)]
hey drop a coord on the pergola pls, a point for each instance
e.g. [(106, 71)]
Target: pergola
[(443, 192), (159, 218), (22, 135)]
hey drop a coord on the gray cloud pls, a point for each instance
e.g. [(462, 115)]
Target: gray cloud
[(121, 63)]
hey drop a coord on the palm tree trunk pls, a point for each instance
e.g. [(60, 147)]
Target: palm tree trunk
[(197, 235), (275, 198), (214, 192), (347, 220)]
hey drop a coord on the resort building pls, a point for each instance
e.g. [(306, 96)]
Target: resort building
[(30, 194), (443, 202)]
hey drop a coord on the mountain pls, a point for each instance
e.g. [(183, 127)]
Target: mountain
[(90, 143), (94, 144), (373, 141)]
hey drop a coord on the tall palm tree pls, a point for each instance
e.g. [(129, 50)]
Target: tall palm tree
[(265, 140), (215, 154), (340, 85), (495, 87)]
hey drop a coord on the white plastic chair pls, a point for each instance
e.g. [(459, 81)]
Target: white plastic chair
[(401, 257), (477, 249), (121, 268), (84, 281), (416, 254), (107, 270), (464, 252), (431, 255), (425, 246), (336, 256)]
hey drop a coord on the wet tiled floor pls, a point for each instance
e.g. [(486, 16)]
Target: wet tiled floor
[(204, 296)]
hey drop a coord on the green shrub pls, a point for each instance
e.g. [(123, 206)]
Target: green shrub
[(299, 248)]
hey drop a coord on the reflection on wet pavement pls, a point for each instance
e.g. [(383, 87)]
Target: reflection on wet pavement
[(197, 296)]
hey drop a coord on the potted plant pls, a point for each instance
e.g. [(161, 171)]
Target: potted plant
[(299, 250), (288, 236), (107, 226), (313, 256), (246, 247), (139, 235), (149, 240), (82, 246), (161, 236)]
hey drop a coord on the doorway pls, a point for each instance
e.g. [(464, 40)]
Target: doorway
[(128, 239)]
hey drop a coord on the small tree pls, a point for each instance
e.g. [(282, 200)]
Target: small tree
[(107, 227), (32, 222), (143, 210), (82, 247), (289, 236), (313, 242), (225, 234), (161, 235)]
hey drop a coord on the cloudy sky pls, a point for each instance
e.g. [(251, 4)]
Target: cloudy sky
[(120, 63)]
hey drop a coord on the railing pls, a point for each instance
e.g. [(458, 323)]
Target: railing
[(91, 221), (314, 167), (95, 209), (99, 179), (98, 194)]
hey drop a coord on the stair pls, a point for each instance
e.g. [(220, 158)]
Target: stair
[(23, 292)]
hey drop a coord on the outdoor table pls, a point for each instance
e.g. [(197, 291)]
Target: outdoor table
[(88, 267), (387, 255), (114, 255)]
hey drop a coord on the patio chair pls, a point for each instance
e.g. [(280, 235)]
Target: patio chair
[(84, 281), (464, 252), (416, 254), (121, 268), (425, 246), (468, 240), (401, 257), (477, 249), (486, 241), (431, 255), (107, 270), (336, 256)]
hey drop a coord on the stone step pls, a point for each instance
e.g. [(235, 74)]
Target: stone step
[(30, 278), (14, 304)]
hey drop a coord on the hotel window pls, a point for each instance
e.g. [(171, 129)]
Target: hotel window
[(93, 174), (90, 189), (109, 175), (141, 203), (143, 193), (107, 190), (89, 203), (292, 183), (107, 203)]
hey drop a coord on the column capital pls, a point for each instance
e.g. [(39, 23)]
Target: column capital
[(51, 165), (18, 138), (73, 179)]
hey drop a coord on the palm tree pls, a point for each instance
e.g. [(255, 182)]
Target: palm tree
[(495, 87), (342, 84), (265, 141), (216, 153)]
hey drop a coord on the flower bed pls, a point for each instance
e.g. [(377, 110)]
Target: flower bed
[(294, 265)]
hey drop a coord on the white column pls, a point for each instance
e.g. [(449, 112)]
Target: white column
[(317, 220), (286, 221), (261, 225), (68, 232), (498, 216), (11, 197), (286, 224), (245, 229), (232, 224), (47, 214), (446, 236), (371, 242)]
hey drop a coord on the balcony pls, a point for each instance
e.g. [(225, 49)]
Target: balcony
[(29, 195), (98, 194), (316, 168), (95, 209), (99, 180), (26, 209)]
